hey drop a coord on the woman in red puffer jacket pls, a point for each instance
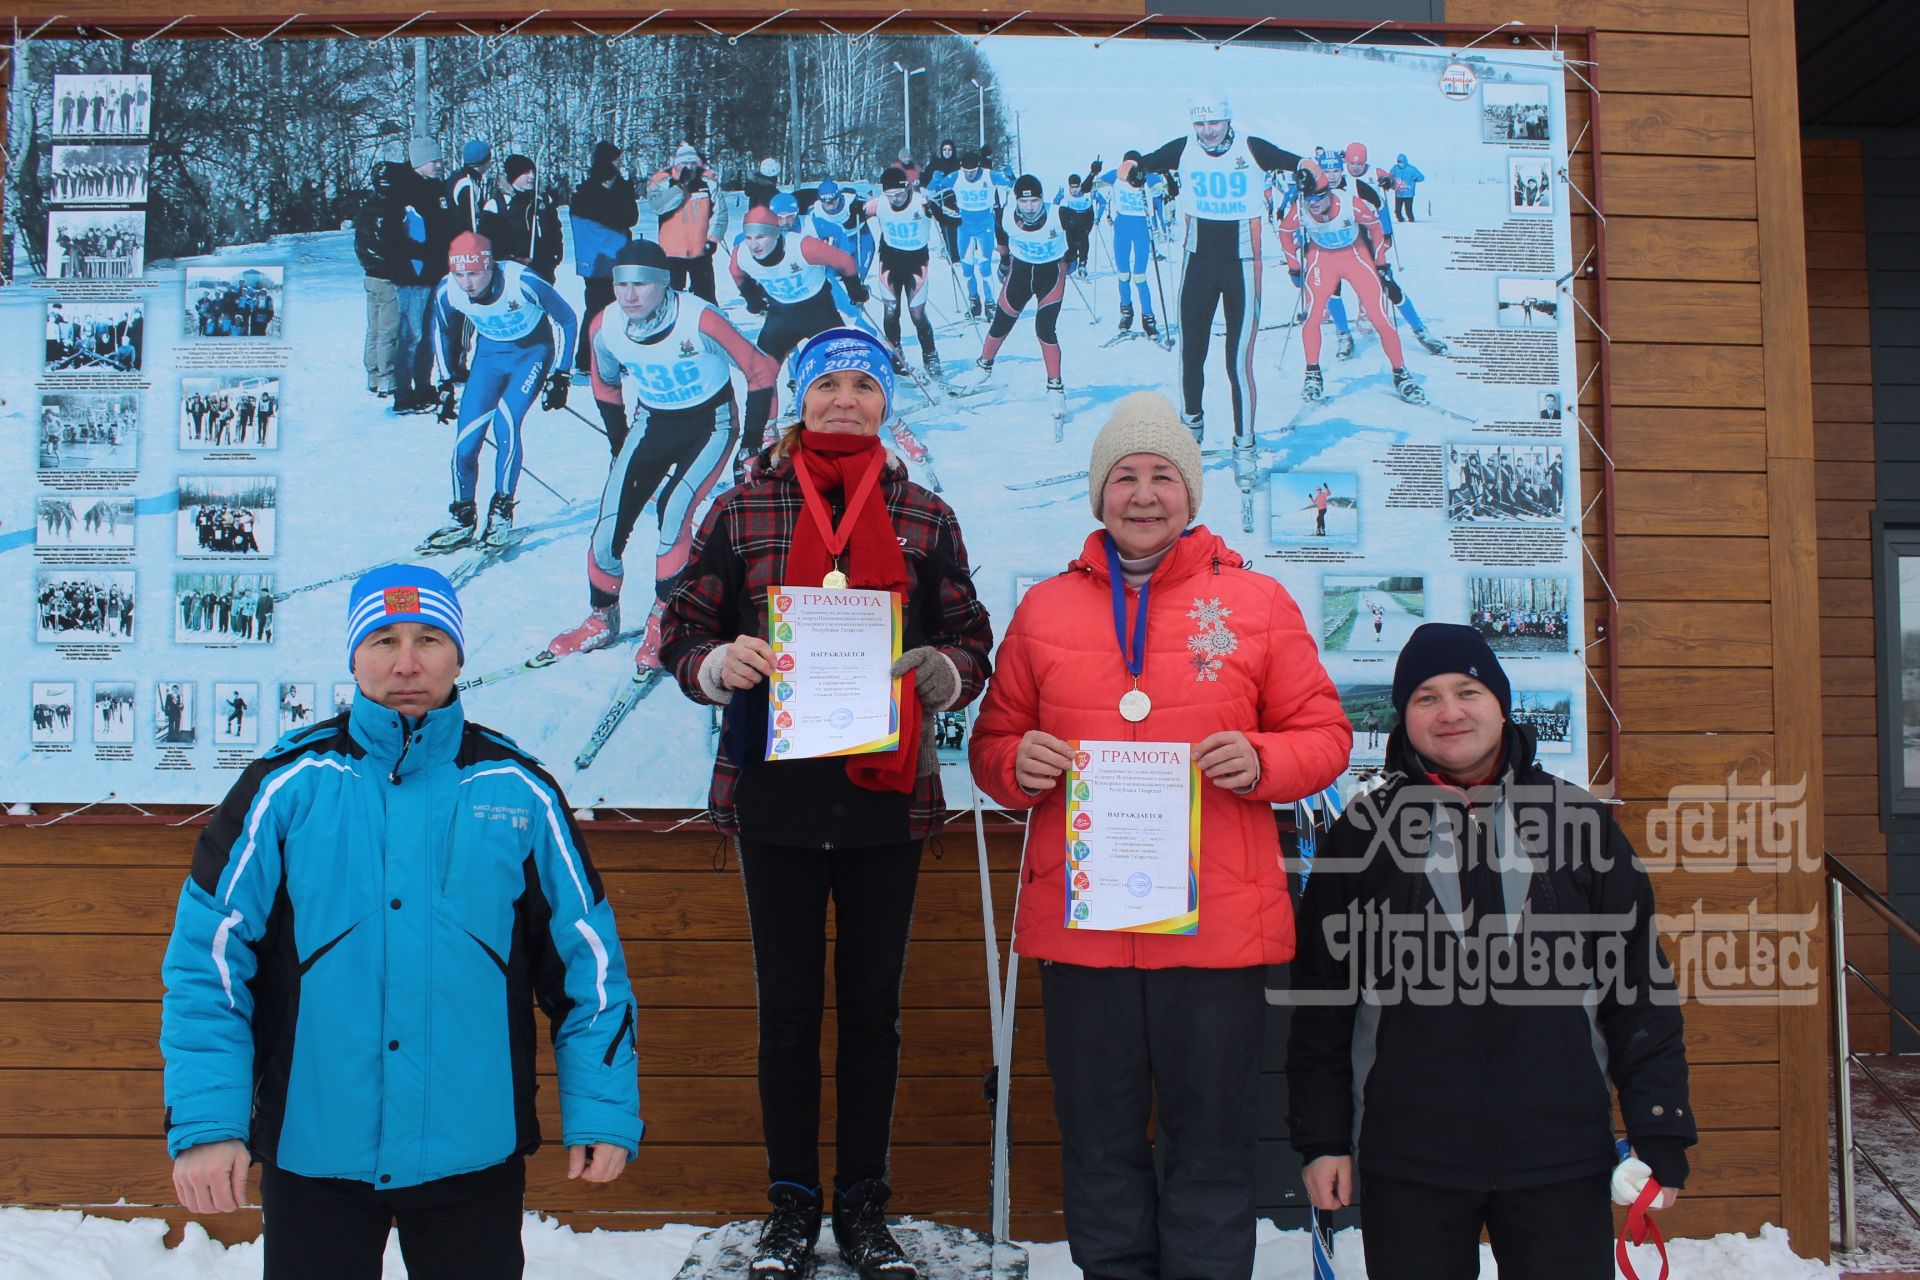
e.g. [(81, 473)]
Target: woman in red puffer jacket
[(1159, 1027)]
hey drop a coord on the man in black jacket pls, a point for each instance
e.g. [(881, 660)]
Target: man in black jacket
[(522, 227), (604, 208), (427, 227), (1478, 961)]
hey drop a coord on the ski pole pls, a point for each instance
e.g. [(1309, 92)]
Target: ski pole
[(1153, 252), (953, 274), (1084, 300), (584, 418), (910, 372), (534, 476)]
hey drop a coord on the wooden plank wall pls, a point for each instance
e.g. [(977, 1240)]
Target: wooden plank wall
[(1837, 300), (1708, 318)]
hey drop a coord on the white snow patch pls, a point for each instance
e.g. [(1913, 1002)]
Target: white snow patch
[(37, 1243)]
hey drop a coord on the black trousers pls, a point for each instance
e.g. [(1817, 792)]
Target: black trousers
[(787, 890), (1177, 1049), (695, 275), (1230, 284), (466, 1227), (1416, 1231), (599, 298)]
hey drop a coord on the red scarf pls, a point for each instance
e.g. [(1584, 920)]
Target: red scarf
[(836, 462)]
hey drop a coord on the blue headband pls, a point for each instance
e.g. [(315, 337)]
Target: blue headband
[(836, 349), (403, 593)]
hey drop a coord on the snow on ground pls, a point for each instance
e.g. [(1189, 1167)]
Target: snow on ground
[(1888, 1239), (68, 1245)]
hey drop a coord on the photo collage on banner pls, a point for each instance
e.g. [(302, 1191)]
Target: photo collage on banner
[(1380, 363)]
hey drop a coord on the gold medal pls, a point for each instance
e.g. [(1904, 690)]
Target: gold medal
[(834, 578)]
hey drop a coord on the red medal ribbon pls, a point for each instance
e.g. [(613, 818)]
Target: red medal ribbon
[(836, 538)]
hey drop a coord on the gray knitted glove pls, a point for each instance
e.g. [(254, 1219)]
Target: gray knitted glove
[(938, 683), (934, 676)]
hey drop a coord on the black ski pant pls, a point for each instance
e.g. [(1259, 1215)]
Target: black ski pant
[(687, 449), (1403, 209), (1230, 284), (1078, 224), (787, 890), (695, 275), (466, 1227), (790, 324), (1418, 1231), (599, 298), (1177, 1049)]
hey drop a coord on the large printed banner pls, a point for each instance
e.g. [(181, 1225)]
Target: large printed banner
[(193, 466)]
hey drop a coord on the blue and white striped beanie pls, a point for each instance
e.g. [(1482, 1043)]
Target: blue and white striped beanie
[(403, 593)]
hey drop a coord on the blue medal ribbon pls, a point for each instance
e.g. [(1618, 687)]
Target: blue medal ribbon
[(1136, 660)]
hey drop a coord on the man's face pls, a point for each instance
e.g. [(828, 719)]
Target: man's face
[(407, 667), (472, 279), (1358, 168), (1029, 207), (1455, 723), (638, 298), (1211, 133), (431, 169), (898, 197), (524, 182), (832, 203), (761, 239)]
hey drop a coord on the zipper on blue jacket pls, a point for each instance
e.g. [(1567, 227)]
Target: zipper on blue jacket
[(406, 740)]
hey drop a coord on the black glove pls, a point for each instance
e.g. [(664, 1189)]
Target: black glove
[(1394, 291), (557, 388), (1296, 279), (856, 290), (711, 246), (753, 295), (449, 399), (614, 415)]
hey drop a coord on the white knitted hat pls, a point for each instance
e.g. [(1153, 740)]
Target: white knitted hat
[(1145, 422)]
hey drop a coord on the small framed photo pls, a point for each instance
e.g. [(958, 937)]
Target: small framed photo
[(52, 712)]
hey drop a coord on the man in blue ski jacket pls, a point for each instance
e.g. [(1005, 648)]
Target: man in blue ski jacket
[(371, 915)]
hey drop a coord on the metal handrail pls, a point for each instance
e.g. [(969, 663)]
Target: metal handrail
[(1846, 875), (1841, 880)]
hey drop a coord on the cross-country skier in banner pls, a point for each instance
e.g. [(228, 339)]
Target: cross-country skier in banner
[(1331, 237), (1348, 171), (906, 231), (1080, 208), (833, 218), (1222, 175), (1038, 245), (679, 353), (787, 277), (523, 331), (1133, 193), (977, 194)]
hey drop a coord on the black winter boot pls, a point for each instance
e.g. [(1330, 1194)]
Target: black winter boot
[(787, 1239), (860, 1229)]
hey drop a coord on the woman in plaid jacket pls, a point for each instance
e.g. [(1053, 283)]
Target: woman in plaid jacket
[(827, 504)]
